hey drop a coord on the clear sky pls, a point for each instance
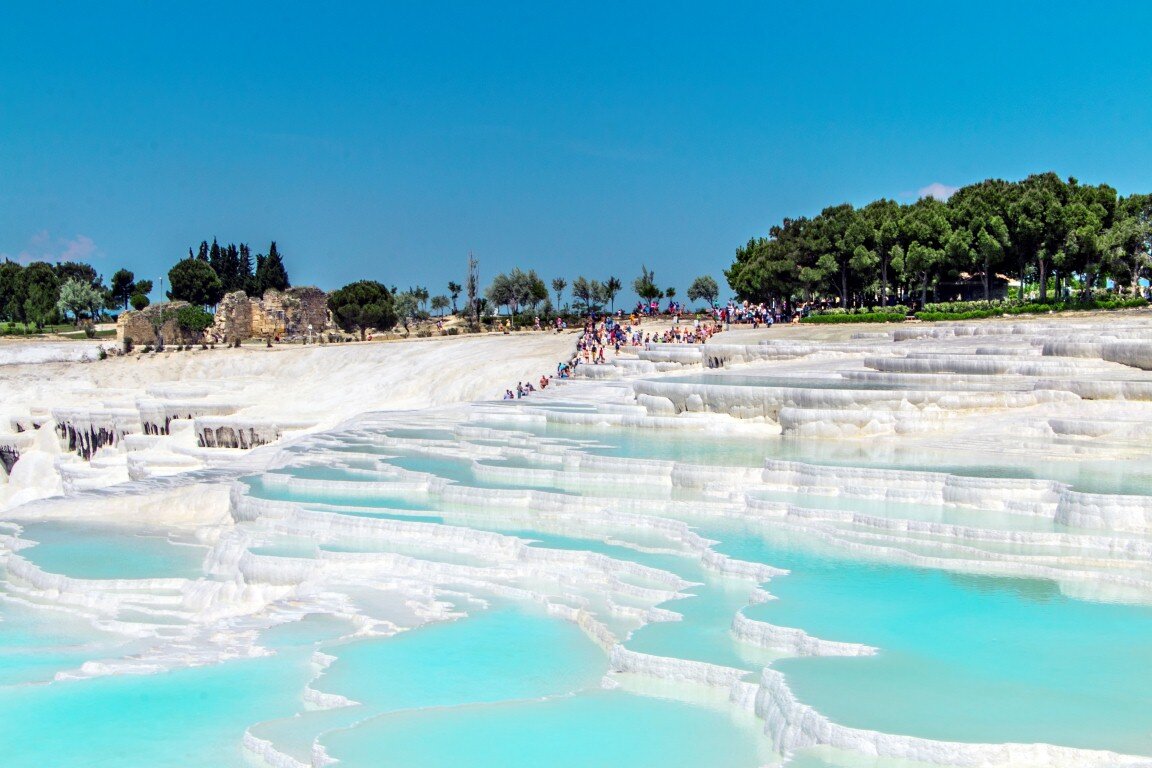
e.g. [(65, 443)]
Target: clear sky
[(386, 140)]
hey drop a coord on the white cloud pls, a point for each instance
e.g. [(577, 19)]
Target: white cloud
[(79, 248), (937, 190), (43, 247)]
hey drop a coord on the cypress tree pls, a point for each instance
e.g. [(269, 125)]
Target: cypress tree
[(214, 257), (244, 270), (271, 274), (230, 269)]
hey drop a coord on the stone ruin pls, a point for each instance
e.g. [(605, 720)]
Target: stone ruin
[(277, 315), (140, 326)]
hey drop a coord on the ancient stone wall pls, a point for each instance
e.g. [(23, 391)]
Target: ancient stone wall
[(233, 318), (280, 314), (139, 325), (288, 314)]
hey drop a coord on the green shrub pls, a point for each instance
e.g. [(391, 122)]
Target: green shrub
[(960, 307), (975, 310), (127, 344), (453, 331), (868, 317), (193, 319)]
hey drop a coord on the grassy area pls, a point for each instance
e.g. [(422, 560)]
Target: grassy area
[(970, 310), (74, 334), (24, 329), (67, 331), (866, 317)]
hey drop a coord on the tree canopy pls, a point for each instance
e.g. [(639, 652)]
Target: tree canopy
[(270, 272), (41, 291), (124, 287), (407, 307), (234, 265), (454, 290), (645, 285), (362, 305), (558, 285), (589, 295), (1036, 231), (79, 298), (195, 282), (517, 290), (704, 288)]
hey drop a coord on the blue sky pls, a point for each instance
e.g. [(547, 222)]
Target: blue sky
[(386, 141)]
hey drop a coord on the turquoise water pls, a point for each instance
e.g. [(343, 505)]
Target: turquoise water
[(972, 637), (690, 446), (961, 657), (461, 471), (979, 655), (177, 719), (495, 655), (383, 496), (187, 717), (38, 643), (703, 632), (505, 653), (93, 551), (593, 728)]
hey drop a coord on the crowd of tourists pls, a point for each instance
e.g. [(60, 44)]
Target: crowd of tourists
[(525, 388), (609, 334), (606, 335)]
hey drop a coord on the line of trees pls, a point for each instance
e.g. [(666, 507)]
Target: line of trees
[(204, 277), (519, 290), (42, 294), (1042, 231), (365, 304)]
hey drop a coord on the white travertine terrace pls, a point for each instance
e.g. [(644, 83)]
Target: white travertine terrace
[(329, 520)]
